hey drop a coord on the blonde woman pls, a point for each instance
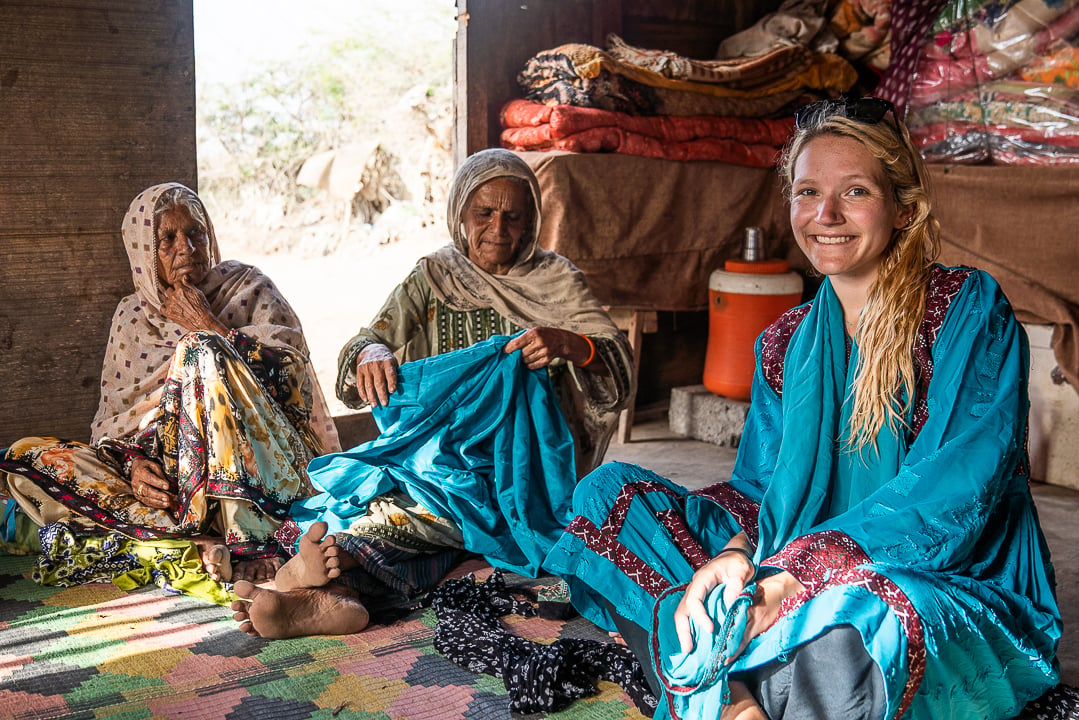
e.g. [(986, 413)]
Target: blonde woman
[(877, 553)]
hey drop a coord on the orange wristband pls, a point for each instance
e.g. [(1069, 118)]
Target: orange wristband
[(591, 352)]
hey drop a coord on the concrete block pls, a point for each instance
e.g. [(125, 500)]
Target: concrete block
[(695, 412), (1054, 416)]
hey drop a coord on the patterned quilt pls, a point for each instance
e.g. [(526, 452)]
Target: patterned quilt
[(95, 651)]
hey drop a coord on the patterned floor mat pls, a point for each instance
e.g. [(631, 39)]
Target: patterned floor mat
[(95, 651)]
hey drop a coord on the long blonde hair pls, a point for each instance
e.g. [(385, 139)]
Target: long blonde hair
[(890, 321)]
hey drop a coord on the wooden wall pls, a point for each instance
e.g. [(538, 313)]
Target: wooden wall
[(97, 102), (495, 38)]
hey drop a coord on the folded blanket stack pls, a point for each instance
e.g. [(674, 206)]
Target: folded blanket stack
[(637, 81), (740, 141), (659, 104), (999, 83)]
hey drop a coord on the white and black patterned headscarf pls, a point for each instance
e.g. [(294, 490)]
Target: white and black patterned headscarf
[(142, 340)]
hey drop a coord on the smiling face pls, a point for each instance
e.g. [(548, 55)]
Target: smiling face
[(183, 247), (496, 219), (843, 210)]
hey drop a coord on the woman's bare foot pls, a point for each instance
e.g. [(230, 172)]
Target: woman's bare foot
[(257, 570), (216, 560), (318, 561), (306, 611)]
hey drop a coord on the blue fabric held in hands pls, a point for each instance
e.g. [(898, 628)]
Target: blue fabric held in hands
[(472, 435), (685, 674)]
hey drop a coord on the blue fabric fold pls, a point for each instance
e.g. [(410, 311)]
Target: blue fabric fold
[(8, 524), (708, 664), (472, 435)]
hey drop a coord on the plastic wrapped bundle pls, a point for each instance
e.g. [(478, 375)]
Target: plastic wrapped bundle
[(999, 84)]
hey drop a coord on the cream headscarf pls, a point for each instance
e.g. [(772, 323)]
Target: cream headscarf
[(542, 289), (142, 340)]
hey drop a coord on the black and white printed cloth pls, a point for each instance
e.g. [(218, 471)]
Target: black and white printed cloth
[(1060, 703), (538, 677)]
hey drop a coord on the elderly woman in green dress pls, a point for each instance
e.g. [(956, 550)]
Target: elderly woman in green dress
[(209, 409), (492, 279)]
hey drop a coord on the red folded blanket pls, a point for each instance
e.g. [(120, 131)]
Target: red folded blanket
[(743, 141)]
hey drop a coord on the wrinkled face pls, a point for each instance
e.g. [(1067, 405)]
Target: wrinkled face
[(496, 219), (183, 248), (842, 209)]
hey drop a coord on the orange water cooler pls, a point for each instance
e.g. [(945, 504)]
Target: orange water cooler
[(744, 298)]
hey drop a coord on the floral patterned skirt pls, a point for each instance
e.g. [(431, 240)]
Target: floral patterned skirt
[(235, 461)]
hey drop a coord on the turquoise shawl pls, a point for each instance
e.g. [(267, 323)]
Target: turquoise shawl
[(472, 435)]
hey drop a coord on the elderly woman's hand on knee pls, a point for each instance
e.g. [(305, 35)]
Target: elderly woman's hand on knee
[(150, 486)]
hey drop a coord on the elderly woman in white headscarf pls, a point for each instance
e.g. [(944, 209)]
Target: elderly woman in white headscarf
[(492, 280), (209, 409)]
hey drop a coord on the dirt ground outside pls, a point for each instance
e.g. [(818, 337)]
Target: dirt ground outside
[(338, 293), (324, 149)]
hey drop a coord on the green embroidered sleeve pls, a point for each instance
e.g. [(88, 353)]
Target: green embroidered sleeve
[(401, 325)]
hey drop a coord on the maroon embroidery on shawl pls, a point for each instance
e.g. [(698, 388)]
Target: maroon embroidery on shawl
[(777, 337), (744, 511), (829, 559), (604, 540), (944, 285), (815, 559), (286, 536), (606, 545), (616, 518), (675, 523)]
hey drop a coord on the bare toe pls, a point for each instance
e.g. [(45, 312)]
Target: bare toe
[(317, 531), (219, 560), (245, 590), (318, 560), (246, 593), (216, 559), (259, 570)]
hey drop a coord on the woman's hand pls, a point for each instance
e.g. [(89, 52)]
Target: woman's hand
[(771, 592), (186, 306), (767, 599), (376, 374), (539, 346), (730, 569), (150, 486)]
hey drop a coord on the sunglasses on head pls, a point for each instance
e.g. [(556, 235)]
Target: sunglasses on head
[(868, 110)]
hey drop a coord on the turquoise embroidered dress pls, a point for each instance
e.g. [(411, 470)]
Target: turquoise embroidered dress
[(929, 546)]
